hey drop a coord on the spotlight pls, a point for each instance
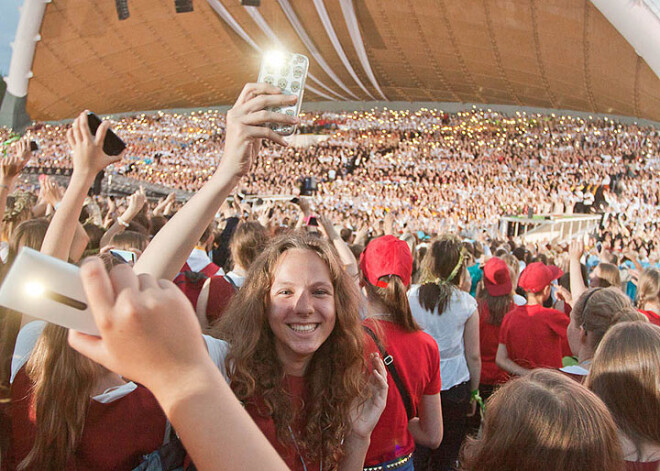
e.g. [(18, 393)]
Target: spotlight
[(122, 9), (183, 6)]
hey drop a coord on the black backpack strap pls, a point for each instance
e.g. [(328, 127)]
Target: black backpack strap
[(389, 363)]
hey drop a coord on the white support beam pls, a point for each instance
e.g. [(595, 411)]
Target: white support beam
[(638, 24), (24, 45)]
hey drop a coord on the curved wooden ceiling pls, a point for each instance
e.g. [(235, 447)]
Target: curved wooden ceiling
[(559, 54)]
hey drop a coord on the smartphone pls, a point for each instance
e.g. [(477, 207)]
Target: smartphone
[(112, 145), (47, 288), (295, 200), (34, 146), (288, 72), (126, 255), (311, 221)]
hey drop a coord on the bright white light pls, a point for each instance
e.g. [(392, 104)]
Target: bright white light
[(274, 58), (34, 288)]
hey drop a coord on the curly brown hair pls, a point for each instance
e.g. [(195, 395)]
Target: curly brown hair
[(335, 376)]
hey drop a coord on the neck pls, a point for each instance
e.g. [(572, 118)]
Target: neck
[(378, 310), (293, 365), (534, 299), (652, 306)]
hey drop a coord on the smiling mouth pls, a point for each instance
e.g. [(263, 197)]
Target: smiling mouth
[(303, 328)]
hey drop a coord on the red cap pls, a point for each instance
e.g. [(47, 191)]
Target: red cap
[(537, 276), (385, 256), (496, 277)]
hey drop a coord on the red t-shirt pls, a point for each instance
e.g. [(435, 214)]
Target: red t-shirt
[(489, 338), (535, 336), (639, 466), (653, 317), (295, 386), (116, 435), (417, 362)]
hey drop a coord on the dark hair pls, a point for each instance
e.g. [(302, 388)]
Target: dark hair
[(497, 306), (442, 258), (249, 240), (394, 297)]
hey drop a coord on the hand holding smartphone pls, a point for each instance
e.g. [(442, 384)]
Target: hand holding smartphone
[(288, 72), (112, 144)]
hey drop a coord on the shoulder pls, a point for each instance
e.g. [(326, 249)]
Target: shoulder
[(465, 300), (25, 342)]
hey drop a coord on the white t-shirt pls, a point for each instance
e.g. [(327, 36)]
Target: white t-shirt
[(29, 334), (447, 331)]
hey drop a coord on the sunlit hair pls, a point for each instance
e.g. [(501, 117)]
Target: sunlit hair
[(544, 421), (128, 240), (440, 261), (19, 209), (598, 309), (625, 374), (248, 241), (648, 287), (394, 298), (30, 233), (62, 383), (335, 375), (609, 275)]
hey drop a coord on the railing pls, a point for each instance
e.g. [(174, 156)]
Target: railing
[(548, 227)]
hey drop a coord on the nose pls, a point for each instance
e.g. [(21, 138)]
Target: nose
[(304, 304)]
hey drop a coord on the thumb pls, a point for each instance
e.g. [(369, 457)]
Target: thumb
[(98, 290), (89, 345)]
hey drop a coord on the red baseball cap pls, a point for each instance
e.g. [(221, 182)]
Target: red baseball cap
[(497, 277), (385, 256), (537, 276)]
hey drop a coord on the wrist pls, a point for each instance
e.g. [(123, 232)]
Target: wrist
[(83, 176)]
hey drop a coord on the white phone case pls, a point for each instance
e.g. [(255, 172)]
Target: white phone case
[(47, 288), (288, 72)]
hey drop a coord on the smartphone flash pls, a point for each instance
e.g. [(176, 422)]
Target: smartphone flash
[(274, 58), (34, 288)]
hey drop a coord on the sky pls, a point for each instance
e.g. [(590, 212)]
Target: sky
[(8, 22)]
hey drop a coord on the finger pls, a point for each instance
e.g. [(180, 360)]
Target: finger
[(147, 282), (266, 133), (100, 133), (264, 101), (77, 133), (123, 278), (252, 89), (84, 127), (89, 345), (259, 118), (69, 137), (98, 290)]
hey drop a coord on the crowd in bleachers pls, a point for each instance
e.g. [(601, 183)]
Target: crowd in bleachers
[(377, 325)]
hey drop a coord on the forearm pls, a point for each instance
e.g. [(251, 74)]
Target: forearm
[(419, 434), (474, 366), (115, 229), (168, 251), (510, 366), (355, 451), (59, 235), (577, 283), (214, 427), (79, 244)]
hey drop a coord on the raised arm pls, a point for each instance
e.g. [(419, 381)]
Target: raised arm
[(345, 254), (135, 203), (577, 283), (10, 168), (246, 126), (88, 160)]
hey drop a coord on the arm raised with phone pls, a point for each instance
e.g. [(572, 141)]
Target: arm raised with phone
[(246, 127)]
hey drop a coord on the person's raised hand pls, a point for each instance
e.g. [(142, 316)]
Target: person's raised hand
[(11, 165), (576, 249), (135, 203), (53, 193), (365, 415), (247, 125), (149, 331), (88, 156)]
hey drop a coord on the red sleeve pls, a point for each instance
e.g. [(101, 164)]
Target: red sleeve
[(560, 326), (435, 383)]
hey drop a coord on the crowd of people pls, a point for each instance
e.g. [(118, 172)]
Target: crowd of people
[(377, 326)]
